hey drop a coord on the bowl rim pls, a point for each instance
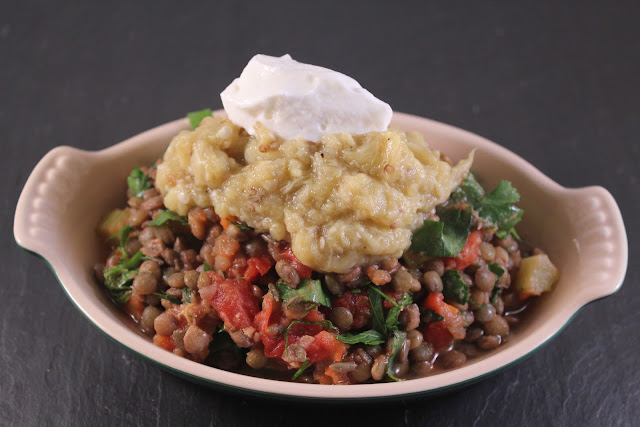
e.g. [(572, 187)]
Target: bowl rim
[(314, 392)]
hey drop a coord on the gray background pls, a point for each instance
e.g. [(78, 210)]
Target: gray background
[(556, 82)]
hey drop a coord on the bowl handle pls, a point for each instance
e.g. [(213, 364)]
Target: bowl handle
[(601, 240), (45, 196)]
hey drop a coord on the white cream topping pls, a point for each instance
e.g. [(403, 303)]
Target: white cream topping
[(293, 99)]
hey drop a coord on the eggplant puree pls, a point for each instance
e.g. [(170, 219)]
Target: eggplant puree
[(343, 201)]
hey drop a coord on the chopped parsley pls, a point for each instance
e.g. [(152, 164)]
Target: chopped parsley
[(454, 288), (370, 337), (170, 298), (396, 343), (240, 225), (138, 182), (167, 215), (196, 117), (445, 237), (118, 278), (308, 290), (303, 368)]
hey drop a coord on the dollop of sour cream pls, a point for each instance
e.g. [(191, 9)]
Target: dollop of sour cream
[(293, 99)]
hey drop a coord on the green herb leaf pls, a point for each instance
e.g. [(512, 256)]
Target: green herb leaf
[(443, 238), (391, 322), (308, 290), (377, 314), (166, 215), (170, 298), (303, 368), (240, 226), (470, 191), (454, 289), (118, 278), (396, 342), (496, 269), (186, 292), (495, 293), (497, 207), (138, 182), (383, 295), (207, 267), (196, 117), (122, 236), (370, 337)]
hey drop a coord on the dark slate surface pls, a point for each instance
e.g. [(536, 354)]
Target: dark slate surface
[(556, 83)]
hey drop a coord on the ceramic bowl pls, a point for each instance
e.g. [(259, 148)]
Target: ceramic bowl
[(581, 229)]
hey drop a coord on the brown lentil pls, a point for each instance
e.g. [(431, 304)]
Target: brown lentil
[(436, 265), (378, 277), (485, 280), (452, 359), (432, 281), (401, 281), (379, 367), (488, 342), (145, 283), (342, 318), (287, 273), (176, 280), (165, 323), (151, 267), (496, 326), (415, 338), (256, 358), (148, 317), (196, 340)]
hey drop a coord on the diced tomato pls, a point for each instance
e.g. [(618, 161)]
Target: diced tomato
[(235, 303), (437, 334), (303, 271), (325, 347), (164, 342), (358, 305), (453, 320), (135, 306), (272, 326), (258, 266), (215, 277), (468, 255)]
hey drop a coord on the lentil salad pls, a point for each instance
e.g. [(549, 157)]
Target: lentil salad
[(215, 291)]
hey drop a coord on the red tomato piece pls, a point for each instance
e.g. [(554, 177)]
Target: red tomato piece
[(468, 255), (258, 266), (235, 303), (453, 321), (164, 342), (438, 334)]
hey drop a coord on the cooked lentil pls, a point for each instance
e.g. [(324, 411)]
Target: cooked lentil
[(206, 284)]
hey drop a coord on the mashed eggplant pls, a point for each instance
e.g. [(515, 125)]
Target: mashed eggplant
[(346, 200)]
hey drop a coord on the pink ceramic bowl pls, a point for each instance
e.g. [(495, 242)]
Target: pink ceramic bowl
[(581, 229)]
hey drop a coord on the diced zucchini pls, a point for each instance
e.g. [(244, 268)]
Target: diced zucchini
[(536, 275), (113, 222)]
